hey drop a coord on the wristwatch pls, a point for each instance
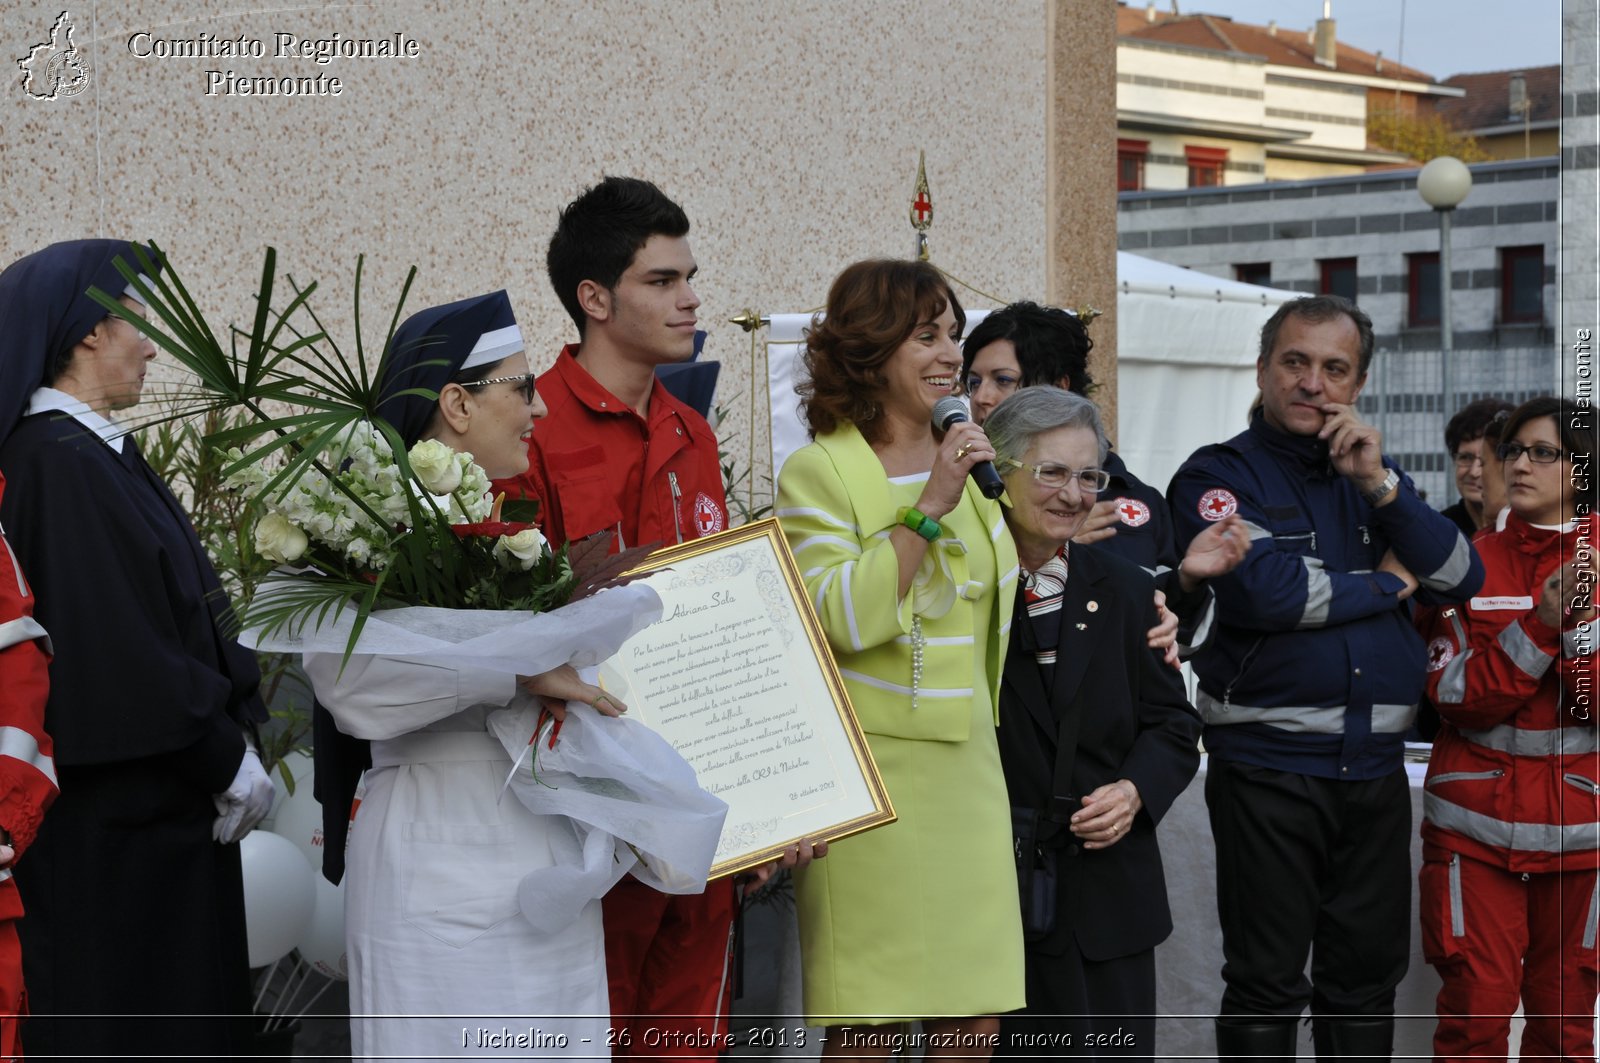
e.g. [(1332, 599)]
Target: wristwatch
[(1390, 481)]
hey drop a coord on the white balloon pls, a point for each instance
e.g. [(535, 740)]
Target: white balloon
[(279, 895), (299, 765), (322, 945), (300, 819)]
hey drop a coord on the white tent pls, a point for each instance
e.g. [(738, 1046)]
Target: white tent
[(1186, 363)]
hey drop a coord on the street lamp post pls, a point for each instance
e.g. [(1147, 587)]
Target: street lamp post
[(1443, 184)]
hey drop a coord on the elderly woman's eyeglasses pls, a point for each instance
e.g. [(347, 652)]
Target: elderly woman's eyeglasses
[(1048, 474), (1539, 454), (524, 383)]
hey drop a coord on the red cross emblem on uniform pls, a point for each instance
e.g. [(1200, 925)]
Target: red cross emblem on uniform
[(1218, 503), (1133, 512), (1440, 650), (708, 515)]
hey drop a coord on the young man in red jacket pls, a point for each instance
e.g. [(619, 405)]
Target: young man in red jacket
[(618, 453), (27, 771)]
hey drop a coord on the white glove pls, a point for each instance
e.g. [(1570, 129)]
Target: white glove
[(245, 802)]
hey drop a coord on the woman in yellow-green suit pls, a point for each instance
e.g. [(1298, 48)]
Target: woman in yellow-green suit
[(914, 576)]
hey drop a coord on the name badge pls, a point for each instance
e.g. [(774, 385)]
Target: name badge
[(1488, 603)]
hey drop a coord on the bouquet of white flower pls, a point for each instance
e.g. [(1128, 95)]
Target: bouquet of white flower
[(309, 510)]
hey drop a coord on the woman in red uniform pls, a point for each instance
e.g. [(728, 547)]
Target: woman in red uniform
[(27, 770), (1510, 824)]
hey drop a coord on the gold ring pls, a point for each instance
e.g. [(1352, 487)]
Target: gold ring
[(595, 704), (961, 451)]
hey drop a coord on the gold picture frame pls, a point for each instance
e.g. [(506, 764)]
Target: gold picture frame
[(738, 677)]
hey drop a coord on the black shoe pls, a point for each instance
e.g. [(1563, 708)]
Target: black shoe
[(1366, 1038), (1255, 1041)]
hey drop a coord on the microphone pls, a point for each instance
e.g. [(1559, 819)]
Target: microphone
[(951, 410)]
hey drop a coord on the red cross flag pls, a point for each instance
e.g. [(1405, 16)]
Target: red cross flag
[(921, 202)]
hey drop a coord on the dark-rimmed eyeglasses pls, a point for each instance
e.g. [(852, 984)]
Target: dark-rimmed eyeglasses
[(1539, 454), (1090, 481), (523, 381)]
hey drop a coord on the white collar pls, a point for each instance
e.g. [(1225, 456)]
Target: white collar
[(48, 400)]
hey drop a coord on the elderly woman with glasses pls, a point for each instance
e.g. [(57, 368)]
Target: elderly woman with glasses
[(1096, 738), (1509, 831)]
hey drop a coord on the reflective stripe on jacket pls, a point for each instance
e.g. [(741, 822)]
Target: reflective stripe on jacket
[(1515, 775), (1314, 666)]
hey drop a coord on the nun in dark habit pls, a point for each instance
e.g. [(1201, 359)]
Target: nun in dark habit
[(135, 905)]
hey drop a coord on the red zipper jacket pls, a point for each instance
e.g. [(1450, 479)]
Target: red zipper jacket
[(595, 464), (1514, 779), (27, 770)]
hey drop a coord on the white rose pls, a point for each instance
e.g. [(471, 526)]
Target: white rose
[(435, 465), (279, 540), (527, 546)]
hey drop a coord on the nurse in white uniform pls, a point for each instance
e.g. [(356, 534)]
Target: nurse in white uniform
[(442, 962)]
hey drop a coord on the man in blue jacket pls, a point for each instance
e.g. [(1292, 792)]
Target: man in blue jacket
[(1309, 684)]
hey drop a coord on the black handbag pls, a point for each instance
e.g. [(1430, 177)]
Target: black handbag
[(1037, 870), (1040, 836)]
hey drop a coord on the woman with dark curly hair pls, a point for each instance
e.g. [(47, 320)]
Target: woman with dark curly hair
[(914, 577)]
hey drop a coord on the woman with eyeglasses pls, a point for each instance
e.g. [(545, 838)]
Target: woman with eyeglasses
[(1097, 740), (436, 945), (1024, 345), (1512, 799)]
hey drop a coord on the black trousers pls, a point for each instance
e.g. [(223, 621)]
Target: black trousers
[(1310, 865), (1081, 1009)]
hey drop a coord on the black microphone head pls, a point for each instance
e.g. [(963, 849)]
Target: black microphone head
[(948, 411)]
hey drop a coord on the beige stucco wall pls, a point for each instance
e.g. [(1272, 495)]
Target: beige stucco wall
[(1081, 163), (789, 132)]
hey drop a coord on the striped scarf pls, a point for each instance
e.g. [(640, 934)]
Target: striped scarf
[(1042, 592)]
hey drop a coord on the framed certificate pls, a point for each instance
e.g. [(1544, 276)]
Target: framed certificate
[(738, 677)]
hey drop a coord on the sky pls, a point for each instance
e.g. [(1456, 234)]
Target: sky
[(1441, 37)]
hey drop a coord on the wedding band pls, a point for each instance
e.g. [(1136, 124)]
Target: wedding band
[(595, 704), (961, 451)]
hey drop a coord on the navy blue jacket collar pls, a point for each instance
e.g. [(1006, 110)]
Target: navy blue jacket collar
[(1308, 452)]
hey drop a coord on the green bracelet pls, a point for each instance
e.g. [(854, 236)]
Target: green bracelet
[(926, 527)]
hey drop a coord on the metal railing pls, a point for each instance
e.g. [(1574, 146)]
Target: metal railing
[(1404, 398)]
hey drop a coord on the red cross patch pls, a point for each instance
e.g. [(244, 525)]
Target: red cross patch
[(708, 515), (1218, 503), (1133, 512), (1440, 650)]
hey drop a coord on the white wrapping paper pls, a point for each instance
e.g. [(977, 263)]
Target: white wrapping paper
[(518, 643), (632, 800)]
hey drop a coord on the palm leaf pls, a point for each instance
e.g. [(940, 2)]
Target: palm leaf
[(594, 568)]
